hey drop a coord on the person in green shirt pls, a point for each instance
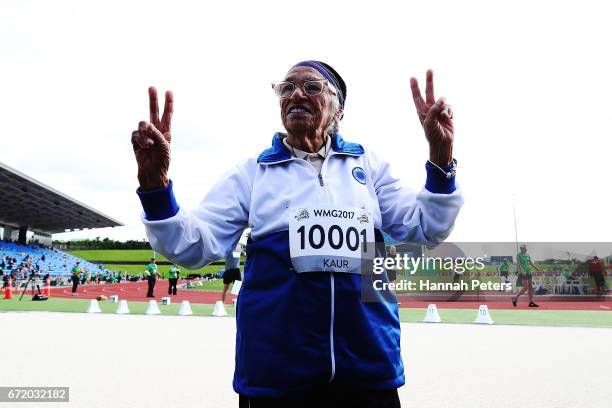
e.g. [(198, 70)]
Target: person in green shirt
[(152, 275), (504, 268), (525, 278), (173, 277), (76, 273), (566, 274), (566, 280)]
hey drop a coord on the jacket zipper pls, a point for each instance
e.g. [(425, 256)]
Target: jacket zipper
[(324, 188), (332, 290), (331, 330), (331, 279)]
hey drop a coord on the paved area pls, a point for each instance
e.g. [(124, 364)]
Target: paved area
[(171, 361)]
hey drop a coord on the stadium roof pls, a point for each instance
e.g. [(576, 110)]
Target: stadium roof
[(28, 202)]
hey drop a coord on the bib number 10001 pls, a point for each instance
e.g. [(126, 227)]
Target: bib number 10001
[(316, 237)]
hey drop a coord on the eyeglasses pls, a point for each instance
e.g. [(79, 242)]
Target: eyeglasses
[(284, 89)]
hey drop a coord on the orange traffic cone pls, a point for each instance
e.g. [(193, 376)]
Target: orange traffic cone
[(8, 291), (48, 288)]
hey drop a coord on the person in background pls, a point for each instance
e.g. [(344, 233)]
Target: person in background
[(232, 272), (596, 270), (565, 279), (566, 274), (152, 275), (75, 277), (392, 271), (173, 277), (5, 279), (525, 278), (35, 281), (504, 269)]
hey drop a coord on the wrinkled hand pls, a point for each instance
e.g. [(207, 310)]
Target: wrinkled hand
[(437, 120), (151, 143)]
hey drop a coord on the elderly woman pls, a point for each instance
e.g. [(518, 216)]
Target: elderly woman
[(313, 201)]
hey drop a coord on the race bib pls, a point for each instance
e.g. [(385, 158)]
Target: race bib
[(330, 239)]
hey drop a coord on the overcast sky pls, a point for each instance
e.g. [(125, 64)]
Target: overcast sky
[(529, 83)]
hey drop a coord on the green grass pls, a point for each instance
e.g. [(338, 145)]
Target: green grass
[(466, 316), (117, 255), (80, 306), (590, 318), (163, 269), (132, 255), (216, 285)]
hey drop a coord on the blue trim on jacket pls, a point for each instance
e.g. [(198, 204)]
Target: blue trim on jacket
[(279, 152), (158, 204), (161, 204), (283, 323), (340, 145), (437, 182)]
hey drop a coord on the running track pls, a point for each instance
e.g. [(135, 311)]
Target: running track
[(136, 291)]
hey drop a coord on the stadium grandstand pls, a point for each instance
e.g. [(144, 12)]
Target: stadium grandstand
[(35, 210), (45, 260)]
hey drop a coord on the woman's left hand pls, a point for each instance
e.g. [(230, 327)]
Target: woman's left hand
[(437, 120)]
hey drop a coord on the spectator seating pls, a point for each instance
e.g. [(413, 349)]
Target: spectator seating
[(56, 263)]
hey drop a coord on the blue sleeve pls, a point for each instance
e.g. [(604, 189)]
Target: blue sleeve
[(437, 182), (158, 204)]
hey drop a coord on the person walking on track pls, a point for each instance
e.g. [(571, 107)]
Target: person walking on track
[(525, 278), (75, 277), (173, 277), (152, 275), (232, 272)]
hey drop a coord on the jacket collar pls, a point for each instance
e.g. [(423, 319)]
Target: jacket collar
[(279, 153)]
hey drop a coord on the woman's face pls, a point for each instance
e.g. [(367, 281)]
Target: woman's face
[(306, 113)]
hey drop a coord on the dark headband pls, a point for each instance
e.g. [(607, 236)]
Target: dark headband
[(328, 73)]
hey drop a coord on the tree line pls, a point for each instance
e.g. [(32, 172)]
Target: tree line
[(98, 243)]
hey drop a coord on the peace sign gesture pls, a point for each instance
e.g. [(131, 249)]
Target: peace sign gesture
[(151, 143), (437, 120)]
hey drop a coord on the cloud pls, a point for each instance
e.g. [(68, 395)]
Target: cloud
[(529, 92)]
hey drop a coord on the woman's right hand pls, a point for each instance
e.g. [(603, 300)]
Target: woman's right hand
[(151, 143)]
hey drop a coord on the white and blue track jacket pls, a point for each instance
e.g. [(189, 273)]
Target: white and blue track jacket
[(298, 331)]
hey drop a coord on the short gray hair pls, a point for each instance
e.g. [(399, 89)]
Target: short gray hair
[(333, 127)]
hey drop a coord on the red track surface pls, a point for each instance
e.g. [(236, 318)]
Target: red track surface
[(495, 300), (522, 305), (136, 291)]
